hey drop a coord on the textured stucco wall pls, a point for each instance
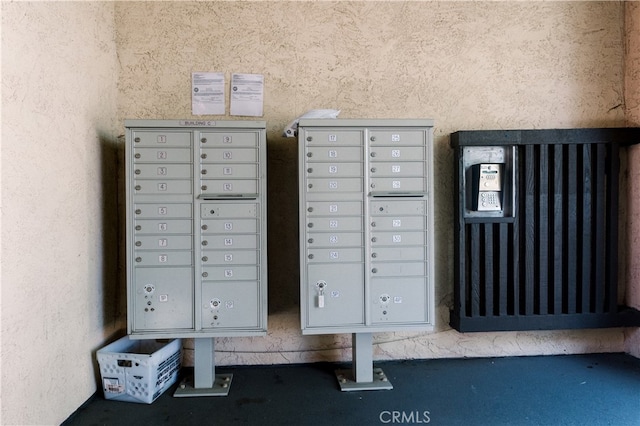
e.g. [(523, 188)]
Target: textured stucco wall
[(468, 65), (632, 111), (59, 221)]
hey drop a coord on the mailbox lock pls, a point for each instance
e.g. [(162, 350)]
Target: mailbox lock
[(321, 285), (138, 211), (203, 140), (205, 242), (204, 187), (310, 209), (138, 227), (137, 155), (137, 171), (373, 138), (310, 240), (205, 274), (205, 258), (309, 138), (137, 139), (309, 154), (374, 255), (373, 154), (311, 256), (374, 270), (310, 225), (205, 227), (138, 243), (373, 224), (309, 170), (203, 156), (138, 187), (373, 170), (204, 171)]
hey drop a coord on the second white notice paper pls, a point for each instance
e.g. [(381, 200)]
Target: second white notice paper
[(247, 94)]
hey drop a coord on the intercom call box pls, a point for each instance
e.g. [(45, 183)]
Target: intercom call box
[(487, 187), (366, 225), (196, 228)]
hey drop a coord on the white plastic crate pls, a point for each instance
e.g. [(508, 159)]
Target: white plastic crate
[(139, 370)]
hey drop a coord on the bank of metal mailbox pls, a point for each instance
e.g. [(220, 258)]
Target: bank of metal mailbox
[(366, 225), (196, 228)]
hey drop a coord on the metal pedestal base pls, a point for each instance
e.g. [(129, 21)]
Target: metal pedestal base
[(362, 376), (204, 381), (221, 386)]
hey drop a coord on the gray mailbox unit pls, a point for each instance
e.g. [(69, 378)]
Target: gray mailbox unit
[(366, 231), (196, 235)]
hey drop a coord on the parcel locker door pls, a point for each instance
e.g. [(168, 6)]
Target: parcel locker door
[(335, 295), (163, 299), (398, 300), (230, 305)]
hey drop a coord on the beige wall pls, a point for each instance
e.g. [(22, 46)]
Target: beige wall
[(468, 65), (60, 301), (632, 106), (71, 72)]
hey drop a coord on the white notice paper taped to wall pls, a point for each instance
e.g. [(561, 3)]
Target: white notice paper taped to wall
[(247, 94), (207, 93)]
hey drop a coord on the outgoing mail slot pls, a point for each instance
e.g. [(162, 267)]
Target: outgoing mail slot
[(398, 223), (398, 238), (162, 186), (163, 258), (163, 242), (334, 208), (396, 137), (229, 273), (397, 169), (337, 239), (337, 153), (230, 155), (397, 208), (334, 185), (224, 139), (162, 155), (336, 224), (162, 226), (398, 185), (229, 257), (162, 210), (158, 171), (398, 269), (162, 138), (228, 187), (335, 170), (334, 255), (229, 226), (398, 253), (230, 171), (230, 242), (222, 210), (399, 153)]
